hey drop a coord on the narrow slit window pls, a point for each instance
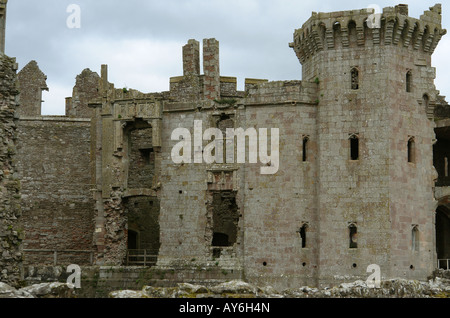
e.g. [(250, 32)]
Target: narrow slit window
[(354, 147), (411, 150), (408, 81), (355, 78), (353, 231), (415, 238), (305, 149), (425, 101), (302, 232)]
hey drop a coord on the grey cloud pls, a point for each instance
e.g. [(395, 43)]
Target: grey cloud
[(253, 34)]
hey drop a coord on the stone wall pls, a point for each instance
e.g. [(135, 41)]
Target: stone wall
[(11, 230), (57, 202)]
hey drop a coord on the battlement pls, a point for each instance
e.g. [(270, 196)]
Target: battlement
[(365, 28)]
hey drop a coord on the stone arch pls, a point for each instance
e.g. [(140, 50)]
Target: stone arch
[(337, 33), (322, 31), (425, 38), (352, 33), (425, 101)]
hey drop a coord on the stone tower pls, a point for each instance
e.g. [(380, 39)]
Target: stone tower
[(3, 4), (374, 138)]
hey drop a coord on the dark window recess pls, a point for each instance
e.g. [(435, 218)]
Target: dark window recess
[(305, 149), (146, 155), (220, 239), (354, 148), (408, 81), (303, 234), (411, 150), (132, 240), (355, 78), (353, 231)]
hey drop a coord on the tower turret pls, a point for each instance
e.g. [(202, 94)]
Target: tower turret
[(375, 138)]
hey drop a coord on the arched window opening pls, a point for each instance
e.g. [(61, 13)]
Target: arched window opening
[(408, 81), (354, 147), (305, 149), (355, 78), (353, 231), (411, 150)]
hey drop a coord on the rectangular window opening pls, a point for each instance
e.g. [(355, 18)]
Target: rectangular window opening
[(411, 151), (305, 149), (354, 148), (303, 235), (353, 236)]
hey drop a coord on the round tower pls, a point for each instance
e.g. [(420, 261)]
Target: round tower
[(375, 139)]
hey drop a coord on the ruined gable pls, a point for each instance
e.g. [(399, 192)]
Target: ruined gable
[(31, 83)]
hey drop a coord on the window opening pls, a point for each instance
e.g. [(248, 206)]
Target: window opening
[(353, 231), (354, 147), (411, 150), (302, 232), (408, 81), (305, 149), (355, 78)]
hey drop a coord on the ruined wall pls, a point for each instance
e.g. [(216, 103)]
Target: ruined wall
[(57, 202), (11, 231), (31, 83), (86, 90)]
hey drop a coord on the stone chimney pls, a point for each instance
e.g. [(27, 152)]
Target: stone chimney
[(211, 70)]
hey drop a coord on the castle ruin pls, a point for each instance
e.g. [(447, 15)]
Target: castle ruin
[(362, 178)]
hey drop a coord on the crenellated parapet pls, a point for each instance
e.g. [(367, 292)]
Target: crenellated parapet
[(366, 28)]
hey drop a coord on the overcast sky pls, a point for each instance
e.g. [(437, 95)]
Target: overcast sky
[(141, 40)]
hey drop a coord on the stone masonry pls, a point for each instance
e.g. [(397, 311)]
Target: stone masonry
[(361, 178), (11, 230)]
